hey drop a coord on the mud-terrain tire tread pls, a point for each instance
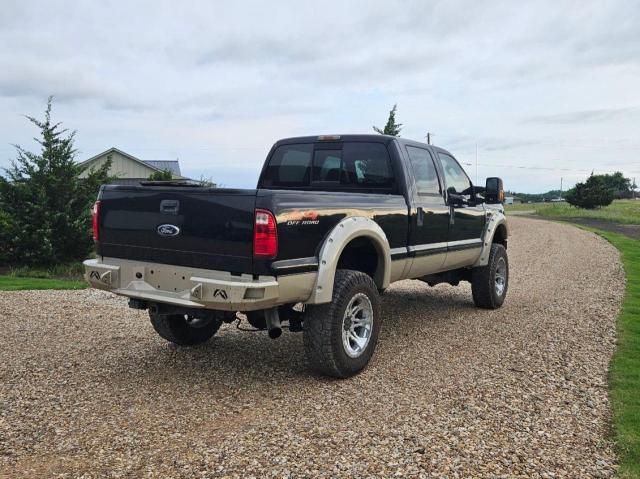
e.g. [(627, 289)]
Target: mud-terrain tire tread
[(173, 328), (323, 327), (482, 280)]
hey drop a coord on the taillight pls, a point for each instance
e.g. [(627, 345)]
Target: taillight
[(265, 235), (95, 220)]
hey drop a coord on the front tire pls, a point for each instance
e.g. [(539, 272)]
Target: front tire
[(184, 330), (340, 337), (489, 283)]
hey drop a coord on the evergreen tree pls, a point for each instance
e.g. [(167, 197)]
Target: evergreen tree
[(391, 128), (593, 193), (46, 206)]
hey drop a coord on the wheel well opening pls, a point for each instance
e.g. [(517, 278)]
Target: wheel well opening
[(361, 255), (500, 236)]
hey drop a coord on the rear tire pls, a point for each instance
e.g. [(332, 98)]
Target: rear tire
[(183, 330), (489, 283), (256, 319), (340, 337)]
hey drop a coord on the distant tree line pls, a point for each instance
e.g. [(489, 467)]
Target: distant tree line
[(535, 197)]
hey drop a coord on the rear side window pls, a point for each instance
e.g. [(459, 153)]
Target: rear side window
[(289, 166), (367, 165), (345, 166), (424, 171)]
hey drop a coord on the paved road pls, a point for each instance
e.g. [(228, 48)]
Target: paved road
[(88, 390)]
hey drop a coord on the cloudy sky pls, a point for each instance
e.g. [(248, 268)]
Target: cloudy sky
[(544, 90)]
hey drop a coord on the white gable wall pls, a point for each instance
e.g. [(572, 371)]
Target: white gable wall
[(121, 166)]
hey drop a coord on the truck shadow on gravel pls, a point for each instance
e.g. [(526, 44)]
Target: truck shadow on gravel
[(235, 357)]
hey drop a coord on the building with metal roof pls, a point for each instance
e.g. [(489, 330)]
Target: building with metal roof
[(127, 169)]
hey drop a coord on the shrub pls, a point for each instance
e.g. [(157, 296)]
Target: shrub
[(591, 194), (163, 175)]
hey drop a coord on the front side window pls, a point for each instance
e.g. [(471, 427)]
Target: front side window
[(424, 171), (456, 179)]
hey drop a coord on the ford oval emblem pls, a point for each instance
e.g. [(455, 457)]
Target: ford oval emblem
[(168, 230)]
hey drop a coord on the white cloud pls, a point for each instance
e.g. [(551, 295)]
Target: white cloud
[(537, 85)]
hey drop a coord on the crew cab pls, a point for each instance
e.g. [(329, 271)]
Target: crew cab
[(333, 222)]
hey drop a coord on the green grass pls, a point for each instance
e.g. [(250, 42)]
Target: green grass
[(74, 271), (620, 211), (64, 276), (624, 371), (15, 283)]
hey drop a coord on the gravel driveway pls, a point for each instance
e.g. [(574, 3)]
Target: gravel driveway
[(87, 389)]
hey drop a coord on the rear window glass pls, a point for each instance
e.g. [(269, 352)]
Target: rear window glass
[(327, 166), (351, 165)]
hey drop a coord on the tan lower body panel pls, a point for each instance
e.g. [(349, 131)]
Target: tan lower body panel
[(196, 288), (427, 264), (461, 258)]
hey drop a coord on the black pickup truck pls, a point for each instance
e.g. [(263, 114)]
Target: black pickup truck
[(334, 221)]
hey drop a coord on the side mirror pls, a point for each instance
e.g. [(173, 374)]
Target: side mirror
[(494, 191)]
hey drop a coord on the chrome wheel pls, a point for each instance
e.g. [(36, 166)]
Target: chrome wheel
[(357, 324), (501, 276)]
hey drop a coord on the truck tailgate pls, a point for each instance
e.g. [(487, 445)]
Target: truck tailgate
[(208, 228)]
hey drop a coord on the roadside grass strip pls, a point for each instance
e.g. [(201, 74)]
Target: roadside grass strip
[(620, 211), (624, 371), (17, 283)]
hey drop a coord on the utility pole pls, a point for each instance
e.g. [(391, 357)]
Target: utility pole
[(476, 163), (429, 135), (561, 187)]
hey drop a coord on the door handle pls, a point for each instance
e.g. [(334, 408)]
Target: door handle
[(169, 207)]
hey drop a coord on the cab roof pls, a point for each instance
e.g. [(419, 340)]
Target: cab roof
[(372, 137)]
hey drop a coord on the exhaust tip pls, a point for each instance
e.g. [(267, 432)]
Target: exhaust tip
[(274, 333)]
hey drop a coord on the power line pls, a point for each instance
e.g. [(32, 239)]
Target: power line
[(546, 168), (543, 168)]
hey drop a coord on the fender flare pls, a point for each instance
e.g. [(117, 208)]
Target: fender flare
[(495, 218), (344, 232)]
